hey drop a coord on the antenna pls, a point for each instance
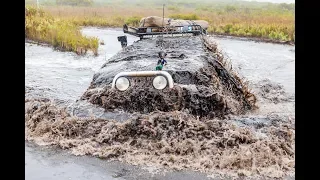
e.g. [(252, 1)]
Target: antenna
[(162, 26), (162, 15)]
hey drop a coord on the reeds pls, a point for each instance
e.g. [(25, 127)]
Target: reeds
[(268, 22), (62, 34)]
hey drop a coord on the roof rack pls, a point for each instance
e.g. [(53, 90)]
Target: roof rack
[(164, 30)]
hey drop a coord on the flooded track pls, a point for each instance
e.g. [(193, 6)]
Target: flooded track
[(64, 77), (52, 163), (258, 61)]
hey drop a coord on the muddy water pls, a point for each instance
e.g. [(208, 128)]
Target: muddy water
[(52, 163), (269, 70), (44, 163), (64, 77), (258, 61)]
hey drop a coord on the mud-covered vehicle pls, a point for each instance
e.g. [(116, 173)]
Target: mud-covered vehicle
[(193, 80)]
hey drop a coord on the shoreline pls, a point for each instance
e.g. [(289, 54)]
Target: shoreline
[(45, 44), (255, 39), (27, 40)]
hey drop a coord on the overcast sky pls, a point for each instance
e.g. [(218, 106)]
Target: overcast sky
[(274, 1)]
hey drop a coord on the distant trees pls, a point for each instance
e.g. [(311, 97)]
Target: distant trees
[(286, 6), (230, 8), (75, 2)]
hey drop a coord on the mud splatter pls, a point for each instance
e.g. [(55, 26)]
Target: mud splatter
[(175, 140), (273, 92)]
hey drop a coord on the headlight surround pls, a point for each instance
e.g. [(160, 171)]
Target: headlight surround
[(160, 82), (122, 83)]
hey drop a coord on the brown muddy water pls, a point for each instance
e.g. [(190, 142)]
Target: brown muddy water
[(64, 77)]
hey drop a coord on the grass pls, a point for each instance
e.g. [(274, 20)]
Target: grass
[(245, 19), (263, 22), (185, 16), (60, 33)]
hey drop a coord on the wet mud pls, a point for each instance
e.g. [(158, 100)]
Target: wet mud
[(175, 140), (202, 85)]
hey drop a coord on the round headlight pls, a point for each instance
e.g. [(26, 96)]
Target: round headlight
[(122, 84), (159, 82)]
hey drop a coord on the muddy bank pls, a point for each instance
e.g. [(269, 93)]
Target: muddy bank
[(37, 42), (175, 140), (202, 84)]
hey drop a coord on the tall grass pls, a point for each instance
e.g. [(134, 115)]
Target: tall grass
[(62, 34), (264, 23), (269, 21), (185, 16)]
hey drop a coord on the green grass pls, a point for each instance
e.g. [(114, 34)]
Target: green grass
[(62, 34), (133, 21), (269, 31), (185, 16)]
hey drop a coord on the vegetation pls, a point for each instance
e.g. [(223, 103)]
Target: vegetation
[(185, 16), (239, 18), (61, 34), (75, 2)]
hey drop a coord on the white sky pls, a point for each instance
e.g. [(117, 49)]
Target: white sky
[(274, 1)]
